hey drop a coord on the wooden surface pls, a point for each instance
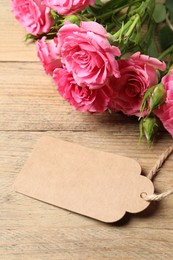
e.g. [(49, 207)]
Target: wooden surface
[(30, 107)]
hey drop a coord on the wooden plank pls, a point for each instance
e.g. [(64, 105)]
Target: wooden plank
[(30, 229), (29, 101), (121, 144), (30, 106), (12, 41)]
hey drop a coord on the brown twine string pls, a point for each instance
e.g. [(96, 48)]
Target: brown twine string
[(157, 197), (164, 156)]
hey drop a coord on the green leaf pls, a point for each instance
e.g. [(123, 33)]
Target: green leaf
[(165, 37), (152, 49), (29, 36), (170, 69), (146, 97), (106, 9), (98, 2), (169, 6), (159, 14)]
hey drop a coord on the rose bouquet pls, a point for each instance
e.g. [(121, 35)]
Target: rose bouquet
[(113, 55)]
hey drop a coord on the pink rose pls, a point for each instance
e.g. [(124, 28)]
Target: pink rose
[(87, 54), (81, 98), (32, 15), (165, 113), (143, 60), (137, 75), (67, 7), (48, 54)]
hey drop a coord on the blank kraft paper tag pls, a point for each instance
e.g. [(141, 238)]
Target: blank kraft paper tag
[(93, 183)]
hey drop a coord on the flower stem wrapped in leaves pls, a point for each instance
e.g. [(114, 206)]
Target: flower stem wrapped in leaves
[(153, 98), (149, 127)]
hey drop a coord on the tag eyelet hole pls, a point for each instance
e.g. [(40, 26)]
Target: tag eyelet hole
[(143, 195)]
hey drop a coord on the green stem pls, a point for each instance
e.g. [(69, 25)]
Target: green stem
[(125, 27), (166, 52), (130, 25), (136, 20), (114, 11), (108, 13), (83, 18)]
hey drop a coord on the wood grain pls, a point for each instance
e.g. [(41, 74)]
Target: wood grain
[(12, 41), (37, 230), (31, 107)]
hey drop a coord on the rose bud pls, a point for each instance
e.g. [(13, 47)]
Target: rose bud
[(149, 126), (158, 97)]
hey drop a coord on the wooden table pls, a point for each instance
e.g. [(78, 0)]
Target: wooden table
[(31, 106)]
